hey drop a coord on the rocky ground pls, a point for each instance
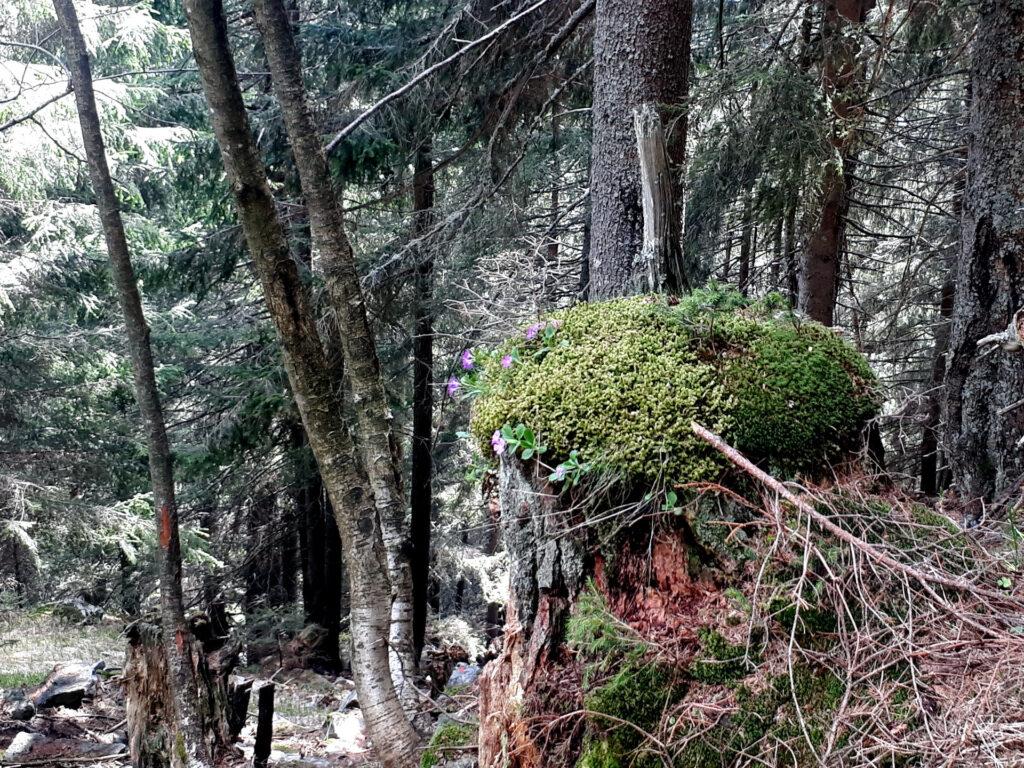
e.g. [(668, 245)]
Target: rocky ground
[(62, 704)]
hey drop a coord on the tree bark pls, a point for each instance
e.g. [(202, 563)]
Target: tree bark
[(983, 427), (320, 548), (661, 255), (421, 499), (641, 55), (319, 403), (930, 448), (188, 723), (841, 77), (373, 415)]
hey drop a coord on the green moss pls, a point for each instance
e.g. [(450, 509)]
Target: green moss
[(636, 694), (719, 661), (447, 735), (621, 381), (770, 712)]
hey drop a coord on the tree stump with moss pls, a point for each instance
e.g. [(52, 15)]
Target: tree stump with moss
[(629, 563)]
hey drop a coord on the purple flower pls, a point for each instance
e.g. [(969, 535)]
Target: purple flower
[(453, 386), (466, 360), (506, 361), (533, 330), (498, 442), (559, 473)]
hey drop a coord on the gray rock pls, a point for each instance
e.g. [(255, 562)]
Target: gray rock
[(77, 611), (23, 710), (463, 674), (68, 685)]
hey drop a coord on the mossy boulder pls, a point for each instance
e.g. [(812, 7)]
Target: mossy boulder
[(620, 381)]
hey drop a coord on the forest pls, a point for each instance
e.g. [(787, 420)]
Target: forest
[(511, 383)]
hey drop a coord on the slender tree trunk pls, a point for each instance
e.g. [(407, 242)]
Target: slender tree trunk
[(933, 415), (188, 723), (641, 55), (746, 245), (421, 485), (984, 413), (841, 78), (321, 407), (373, 415)]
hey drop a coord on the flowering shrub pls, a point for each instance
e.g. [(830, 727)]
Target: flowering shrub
[(622, 380)]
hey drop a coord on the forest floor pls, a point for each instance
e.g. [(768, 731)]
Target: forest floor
[(316, 724)]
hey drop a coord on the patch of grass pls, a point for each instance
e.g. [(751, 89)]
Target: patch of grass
[(32, 643), (23, 679)]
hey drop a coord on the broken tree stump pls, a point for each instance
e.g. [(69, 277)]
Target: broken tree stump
[(264, 724)]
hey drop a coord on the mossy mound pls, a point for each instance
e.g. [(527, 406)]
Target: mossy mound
[(448, 736), (620, 382)]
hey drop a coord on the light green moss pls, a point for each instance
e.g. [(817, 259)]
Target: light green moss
[(448, 735), (621, 381)]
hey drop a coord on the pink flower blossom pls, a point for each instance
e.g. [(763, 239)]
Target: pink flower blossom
[(498, 442), (533, 330), (453, 386), (506, 361), (466, 360)]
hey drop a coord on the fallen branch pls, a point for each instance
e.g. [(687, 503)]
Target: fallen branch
[(925, 579)]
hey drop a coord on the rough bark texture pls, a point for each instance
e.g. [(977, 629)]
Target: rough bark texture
[(983, 431), (547, 569), (320, 546), (641, 55), (184, 714), (841, 78), (373, 415), (318, 401), (421, 499), (150, 705), (661, 256), (930, 453)]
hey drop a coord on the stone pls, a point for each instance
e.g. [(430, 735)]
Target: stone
[(23, 710), (463, 674), (68, 685)]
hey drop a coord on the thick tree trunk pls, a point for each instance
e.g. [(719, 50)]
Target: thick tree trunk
[(320, 547), (841, 77), (421, 500), (984, 415), (187, 719), (319, 403), (641, 55), (373, 415)]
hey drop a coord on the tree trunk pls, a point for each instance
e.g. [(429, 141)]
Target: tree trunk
[(421, 499), (320, 548), (319, 403), (661, 255), (187, 721), (984, 417), (746, 245), (841, 77), (930, 479), (373, 415), (641, 55)]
